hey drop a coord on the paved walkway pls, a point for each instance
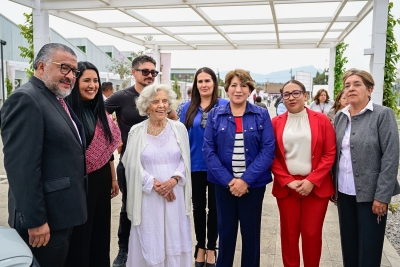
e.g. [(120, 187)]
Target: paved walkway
[(270, 234)]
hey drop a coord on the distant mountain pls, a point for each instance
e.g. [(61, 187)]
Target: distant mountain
[(278, 76)]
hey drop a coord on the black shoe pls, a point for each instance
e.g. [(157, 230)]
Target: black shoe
[(196, 263), (120, 260), (212, 264)]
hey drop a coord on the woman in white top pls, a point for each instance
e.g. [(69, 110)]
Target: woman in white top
[(321, 102), (157, 169), (304, 154)]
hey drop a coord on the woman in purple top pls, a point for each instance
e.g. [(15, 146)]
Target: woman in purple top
[(194, 116)]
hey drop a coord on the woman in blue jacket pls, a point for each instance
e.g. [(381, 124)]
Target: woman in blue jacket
[(194, 116), (239, 148)]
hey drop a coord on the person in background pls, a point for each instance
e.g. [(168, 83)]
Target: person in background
[(340, 103), (44, 157), (194, 116), (157, 168), (259, 103), (90, 242), (321, 102), (107, 89), (304, 155), (280, 106), (239, 148), (178, 109), (365, 171), (124, 105), (269, 99)]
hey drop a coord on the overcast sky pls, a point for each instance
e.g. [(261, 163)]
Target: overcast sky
[(257, 61)]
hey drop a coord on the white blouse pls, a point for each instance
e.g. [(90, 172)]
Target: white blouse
[(322, 107), (297, 143)]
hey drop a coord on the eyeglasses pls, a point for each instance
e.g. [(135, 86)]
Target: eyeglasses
[(295, 94), (65, 69), (146, 72), (204, 117)]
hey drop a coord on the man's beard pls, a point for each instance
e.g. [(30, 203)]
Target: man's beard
[(53, 87), (144, 83)]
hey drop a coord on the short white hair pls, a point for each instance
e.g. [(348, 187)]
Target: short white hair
[(148, 94)]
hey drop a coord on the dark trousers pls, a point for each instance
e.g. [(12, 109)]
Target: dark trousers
[(124, 228), (90, 242), (246, 210), (360, 233), (202, 223), (55, 252)]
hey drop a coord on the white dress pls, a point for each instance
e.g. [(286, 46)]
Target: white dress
[(163, 239)]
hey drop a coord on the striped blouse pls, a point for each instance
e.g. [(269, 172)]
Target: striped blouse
[(238, 156)]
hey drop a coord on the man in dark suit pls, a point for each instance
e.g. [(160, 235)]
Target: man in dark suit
[(44, 157)]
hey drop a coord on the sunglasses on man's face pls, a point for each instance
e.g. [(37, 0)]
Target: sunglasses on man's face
[(146, 72)]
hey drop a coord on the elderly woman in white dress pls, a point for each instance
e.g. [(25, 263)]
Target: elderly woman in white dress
[(157, 169)]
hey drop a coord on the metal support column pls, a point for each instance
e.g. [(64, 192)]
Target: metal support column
[(378, 49)]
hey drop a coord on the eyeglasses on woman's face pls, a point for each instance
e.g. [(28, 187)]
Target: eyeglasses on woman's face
[(295, 94)]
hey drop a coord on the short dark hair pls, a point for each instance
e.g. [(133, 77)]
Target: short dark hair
[(244, 77), (106, 86), (142, 59), (189, 91), (303, 88), (258, 99), (46, 53)]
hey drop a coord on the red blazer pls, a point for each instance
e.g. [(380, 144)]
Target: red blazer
[(323, 151)]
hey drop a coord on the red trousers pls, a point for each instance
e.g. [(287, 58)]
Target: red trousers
[(305, 216)]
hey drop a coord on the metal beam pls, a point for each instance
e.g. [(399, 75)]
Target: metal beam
[(227, 22), (244, 42), (142, 19), (207, 19), (271, 5), (360, 16), (90, 24), (165, 48), (334, 18), (91, 5)]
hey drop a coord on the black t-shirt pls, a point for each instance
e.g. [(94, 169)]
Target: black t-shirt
[(123, 103)]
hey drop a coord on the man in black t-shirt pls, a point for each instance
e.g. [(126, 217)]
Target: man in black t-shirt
[(123, 103)]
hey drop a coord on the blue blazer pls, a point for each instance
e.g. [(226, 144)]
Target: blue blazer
[(259, 142)]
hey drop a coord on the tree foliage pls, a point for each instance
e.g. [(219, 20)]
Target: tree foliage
[(176, 88), (391, 59), (123, 68), (9, 85), (27, 32), (320, 78), (340, 61)]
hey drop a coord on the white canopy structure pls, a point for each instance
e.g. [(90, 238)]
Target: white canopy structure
[(224, 24)]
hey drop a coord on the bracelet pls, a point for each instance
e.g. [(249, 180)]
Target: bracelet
[(176, 179), (114, 180)]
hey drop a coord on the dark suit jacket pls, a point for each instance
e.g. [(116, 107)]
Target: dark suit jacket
[(44, 160), (323, 151)]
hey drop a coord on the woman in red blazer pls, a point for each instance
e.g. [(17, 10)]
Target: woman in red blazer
[(304, 154)]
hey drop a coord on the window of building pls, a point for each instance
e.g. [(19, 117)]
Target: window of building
[(83, 48)]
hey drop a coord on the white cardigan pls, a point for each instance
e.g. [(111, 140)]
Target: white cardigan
[(134, 170)]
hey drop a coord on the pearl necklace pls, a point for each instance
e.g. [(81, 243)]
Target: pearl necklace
[(156, 130)]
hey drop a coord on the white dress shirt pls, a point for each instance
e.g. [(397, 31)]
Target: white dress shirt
[(345, 174)]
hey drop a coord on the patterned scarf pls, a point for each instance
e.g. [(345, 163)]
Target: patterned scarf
[(100, 149)]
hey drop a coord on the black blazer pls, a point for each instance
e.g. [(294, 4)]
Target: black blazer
[(44, 159)]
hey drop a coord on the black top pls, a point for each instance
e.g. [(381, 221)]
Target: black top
[(123, 103), (88, 121)]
